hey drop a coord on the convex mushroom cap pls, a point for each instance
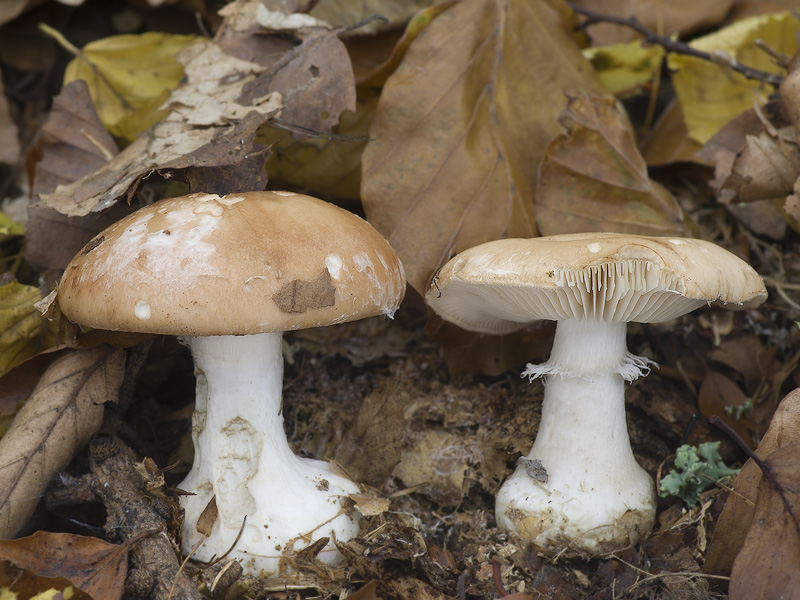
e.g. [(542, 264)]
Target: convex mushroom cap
[(230, 274), (240, 264), (588, 495)]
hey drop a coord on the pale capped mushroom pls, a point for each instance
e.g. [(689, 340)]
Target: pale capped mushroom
[(230, 274), (580, 490)]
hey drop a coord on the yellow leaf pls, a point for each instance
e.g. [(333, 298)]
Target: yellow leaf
[(53, 593), (23, 331), (711, 94), (126, 74), (10, 227), (625, 67)]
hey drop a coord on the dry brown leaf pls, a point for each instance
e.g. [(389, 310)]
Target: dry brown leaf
[(663, 16), (66, 408), (96, 567), (74, 143), (735, 520), (767, 167), (668, 141), (768, 163), (716, 393), (461, 126), (208, 125), (593, 178), (766, 567), (315, 80), (723, 148), (421, 20)]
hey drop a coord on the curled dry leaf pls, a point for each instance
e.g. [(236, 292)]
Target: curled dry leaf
[(767, 163), (93, 565), (208, 125), (461, 126), (65, 409), (766, 567), (74, 143), (735, 521), (593, 177)]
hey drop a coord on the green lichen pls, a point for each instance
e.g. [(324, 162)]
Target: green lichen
[(692, 462)]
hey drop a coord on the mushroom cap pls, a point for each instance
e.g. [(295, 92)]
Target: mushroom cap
[(504, 285), (240, 264)]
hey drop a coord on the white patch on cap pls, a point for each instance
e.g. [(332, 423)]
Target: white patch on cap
[(209, 208), (168, 258), (676, 242), (142, 310), (230, 200), (284, 193), (334, 263), (594, 247)]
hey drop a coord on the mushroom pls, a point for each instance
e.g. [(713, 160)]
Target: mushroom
[(580, 491), (230, 274)]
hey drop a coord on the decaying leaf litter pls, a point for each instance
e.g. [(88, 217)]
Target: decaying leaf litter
[(471, 140)]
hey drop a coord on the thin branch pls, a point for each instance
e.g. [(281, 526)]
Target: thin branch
[(670, 45)]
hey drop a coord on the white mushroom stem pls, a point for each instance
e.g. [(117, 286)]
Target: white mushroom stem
[(243, 459), (596, 498)]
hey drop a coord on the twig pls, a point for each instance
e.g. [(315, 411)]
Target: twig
[(676, 47), (728, 488)]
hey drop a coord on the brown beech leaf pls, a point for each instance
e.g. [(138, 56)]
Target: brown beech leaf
[(768, 163), (736, 518), (462, 124), (766, 567), (718, 392), (96, 567), (74, 143), (593, 177), (66, 408), (668, 141), (767, 167)]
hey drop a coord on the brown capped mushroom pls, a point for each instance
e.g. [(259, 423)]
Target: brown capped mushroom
[(230, 274)]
